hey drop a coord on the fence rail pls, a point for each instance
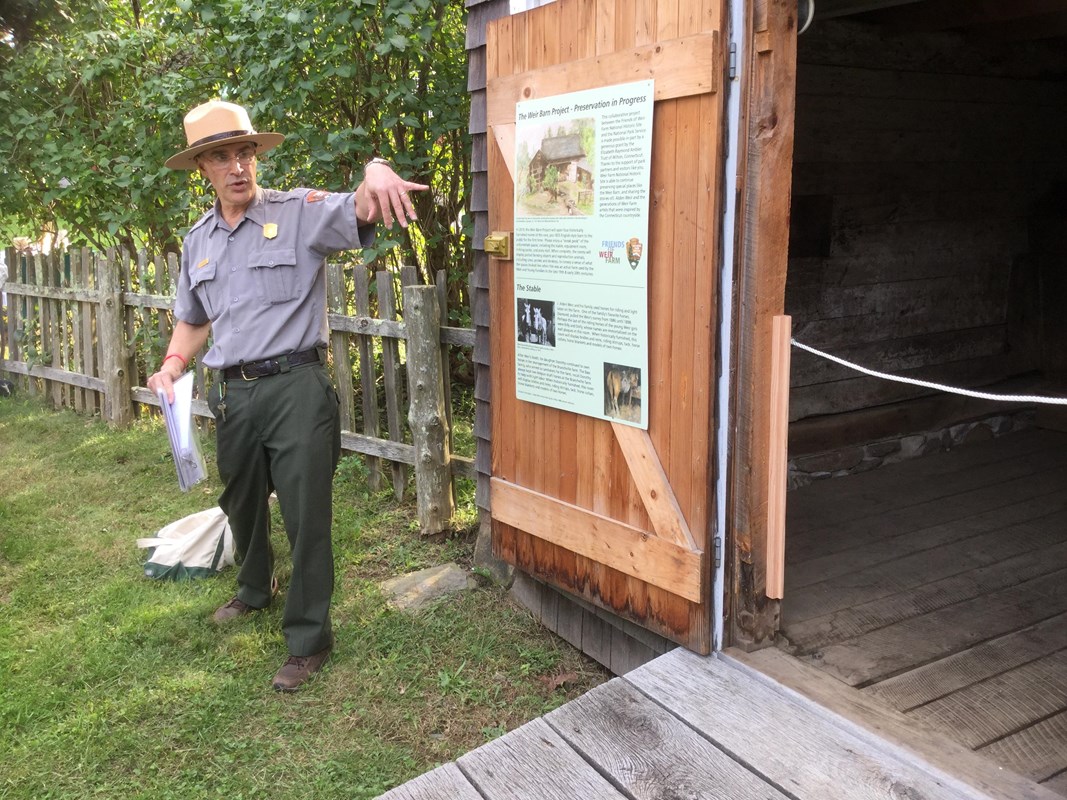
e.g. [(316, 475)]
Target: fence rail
[(86, 330)]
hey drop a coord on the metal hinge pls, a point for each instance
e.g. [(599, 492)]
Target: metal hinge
[(716, 546), (733, 60)]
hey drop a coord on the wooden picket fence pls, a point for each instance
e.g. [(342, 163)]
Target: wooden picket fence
[(86, 330)]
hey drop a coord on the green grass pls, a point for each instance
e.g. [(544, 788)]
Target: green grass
[(113, 685)]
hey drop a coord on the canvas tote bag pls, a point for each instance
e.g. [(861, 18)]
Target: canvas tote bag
[(192, 547)]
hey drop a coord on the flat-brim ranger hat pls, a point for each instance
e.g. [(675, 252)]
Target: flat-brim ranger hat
[(216, 123)]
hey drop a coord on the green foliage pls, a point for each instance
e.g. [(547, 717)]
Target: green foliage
[(94, 108), (551, 181)]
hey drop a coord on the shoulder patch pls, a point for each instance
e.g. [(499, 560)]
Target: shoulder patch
[(316, 195), (276, 196)]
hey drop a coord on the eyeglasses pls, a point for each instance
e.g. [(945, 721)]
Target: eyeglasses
[(220, 159)]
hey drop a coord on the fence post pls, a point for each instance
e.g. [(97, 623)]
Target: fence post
[(114, 356), (426, 414)]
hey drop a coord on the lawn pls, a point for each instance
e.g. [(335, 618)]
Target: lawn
[(116, 686)]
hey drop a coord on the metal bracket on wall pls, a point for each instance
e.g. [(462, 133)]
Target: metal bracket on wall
[(498, 245)]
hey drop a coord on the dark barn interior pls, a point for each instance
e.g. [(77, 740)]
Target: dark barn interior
[(927, 532)]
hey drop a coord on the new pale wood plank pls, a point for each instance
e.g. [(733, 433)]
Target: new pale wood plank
[(649, 752), (1038, 752), (655, 490), (777, 457), (444, 783), (680, 68), (605, 26), (587, 22), (704, 337), (931, 681), (533, 761), (625, 14), (667, 25), (984, 712), (810, 754), (628, 550), (920, 742), (657, 389), (865, 617), (912, 642), (644, 22), (684, 198)]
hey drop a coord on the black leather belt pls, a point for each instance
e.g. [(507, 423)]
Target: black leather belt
[(252, 370)]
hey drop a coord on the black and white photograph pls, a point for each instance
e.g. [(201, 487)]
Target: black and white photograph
[(536, 321)]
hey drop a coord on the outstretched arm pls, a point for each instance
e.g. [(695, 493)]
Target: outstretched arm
[(384, 195)]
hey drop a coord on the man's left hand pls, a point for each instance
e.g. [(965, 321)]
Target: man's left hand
[(385, 196)]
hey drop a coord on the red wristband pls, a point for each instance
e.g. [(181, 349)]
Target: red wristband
[(179, 356)]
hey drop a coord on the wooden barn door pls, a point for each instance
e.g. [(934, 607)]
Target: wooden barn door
[(616, 515)]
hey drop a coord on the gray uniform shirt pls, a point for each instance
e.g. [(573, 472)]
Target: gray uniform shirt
[(262, 285)]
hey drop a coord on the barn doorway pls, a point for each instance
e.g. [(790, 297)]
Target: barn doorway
[(926, 558)]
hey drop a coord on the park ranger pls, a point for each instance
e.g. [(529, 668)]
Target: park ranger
[(253, 277)]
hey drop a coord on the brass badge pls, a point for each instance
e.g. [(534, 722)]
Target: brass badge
[(270, 230)]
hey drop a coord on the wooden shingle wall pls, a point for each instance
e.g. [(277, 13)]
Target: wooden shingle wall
[(925, 170)]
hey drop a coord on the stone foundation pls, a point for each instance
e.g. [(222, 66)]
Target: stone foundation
[(863, 457)]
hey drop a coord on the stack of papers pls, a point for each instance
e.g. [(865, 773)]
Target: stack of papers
[(184, 444)]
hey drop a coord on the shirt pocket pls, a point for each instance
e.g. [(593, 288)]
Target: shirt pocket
[(205, 287), (275, 275)]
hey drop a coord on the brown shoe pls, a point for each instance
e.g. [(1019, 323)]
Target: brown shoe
[(297, 669), (239, 608), (232, 610)]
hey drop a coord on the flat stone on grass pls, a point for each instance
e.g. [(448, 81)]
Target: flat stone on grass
[(418, 589)]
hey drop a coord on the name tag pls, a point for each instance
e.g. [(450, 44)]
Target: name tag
[(203, 263)]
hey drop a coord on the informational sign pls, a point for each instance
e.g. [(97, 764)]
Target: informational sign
[(581, 261)]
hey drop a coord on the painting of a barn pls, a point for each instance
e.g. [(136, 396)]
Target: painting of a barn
[(565, 153)]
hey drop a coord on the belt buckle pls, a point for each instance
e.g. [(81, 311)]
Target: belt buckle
[(246, 378)]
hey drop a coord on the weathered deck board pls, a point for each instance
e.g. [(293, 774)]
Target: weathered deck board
[(923, 599), (650, 752), (822, 504), (1016, 699), (1031, 499), (960, 495), (718, 728), (917, 641), (1037, 751), (795, 744), (533, 761), (920, 570), (951, 606), (915, 739), (445, 781), (1057, 783), (912, 689)]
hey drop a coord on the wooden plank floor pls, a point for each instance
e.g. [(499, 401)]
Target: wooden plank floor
[(686, 726), (938, 587)]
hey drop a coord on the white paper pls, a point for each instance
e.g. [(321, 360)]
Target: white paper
[(184, 442)]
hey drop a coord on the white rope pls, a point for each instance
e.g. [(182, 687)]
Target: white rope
[(1014, 398)]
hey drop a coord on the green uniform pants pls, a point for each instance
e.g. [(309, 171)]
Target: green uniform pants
[(282, 433)]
